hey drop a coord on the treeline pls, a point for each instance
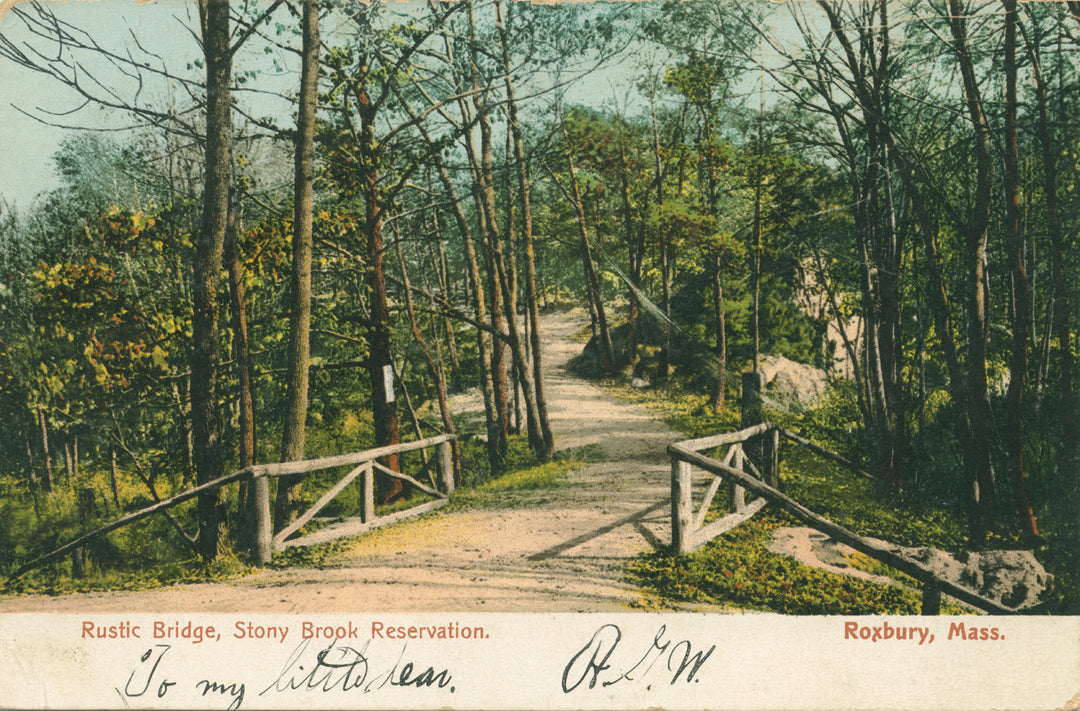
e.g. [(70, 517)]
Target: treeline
[(885, 190)]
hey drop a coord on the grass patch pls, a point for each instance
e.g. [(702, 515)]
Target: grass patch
[(49, 582), (524, 487), (854, 502), (588, 453), (316, 556), (738, 570)]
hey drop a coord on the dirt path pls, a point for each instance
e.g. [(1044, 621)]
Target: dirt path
[(563, 552)]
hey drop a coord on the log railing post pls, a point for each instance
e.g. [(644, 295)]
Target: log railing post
[(738, 494), (86, 505), (752, 413), (445, 463), (261, 525), (682, 511), (367, 489), (931, 599), (770, 458)]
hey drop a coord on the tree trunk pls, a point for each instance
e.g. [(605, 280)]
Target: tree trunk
[(448, 326), (47, 480), (69, 460), (183, 411), (720, 388), (205, 422), (113, 483), (255, 493), (544, 446), (483, 340), (484, 195), (380, 356), (238, 305), (662, 366), (978, 401), (493, 262), (433, 369), (879, 246), (1021, 290), (592, 278), (1067, 426), (755, 276), (31, 473), (294, 434)]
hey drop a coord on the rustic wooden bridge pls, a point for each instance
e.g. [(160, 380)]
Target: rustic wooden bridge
[(747, 461)]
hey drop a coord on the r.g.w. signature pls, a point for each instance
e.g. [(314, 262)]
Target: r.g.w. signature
[(594, 662)]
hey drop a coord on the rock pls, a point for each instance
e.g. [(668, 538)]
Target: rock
[(1013, 578), (792, 384), (639, 383)]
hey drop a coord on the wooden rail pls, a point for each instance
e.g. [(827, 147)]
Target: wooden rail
[(262, 543), (365, 465), (129, 519), (688, 533)]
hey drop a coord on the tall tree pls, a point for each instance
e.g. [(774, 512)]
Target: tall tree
[(205, 418), (296, 402), (1068, 446), (1021, 288), (880, 243), (481, 167), (545, 447), (978, 327), (592, 276)]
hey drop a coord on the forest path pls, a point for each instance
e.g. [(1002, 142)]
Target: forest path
[(558, 549)]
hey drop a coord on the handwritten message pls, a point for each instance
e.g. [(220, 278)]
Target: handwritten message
[(569, 661)]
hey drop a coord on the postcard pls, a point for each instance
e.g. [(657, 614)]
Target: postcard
[(506, 355)]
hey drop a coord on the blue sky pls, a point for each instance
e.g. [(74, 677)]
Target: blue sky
[(27, 146)]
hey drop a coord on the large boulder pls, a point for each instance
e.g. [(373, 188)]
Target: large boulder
[(1013, 578), (790, 384)]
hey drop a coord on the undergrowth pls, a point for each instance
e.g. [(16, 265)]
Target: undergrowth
[(737, 569), (50, 581)]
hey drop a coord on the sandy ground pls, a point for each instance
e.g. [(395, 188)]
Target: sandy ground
[(814, 548), (562, 553)]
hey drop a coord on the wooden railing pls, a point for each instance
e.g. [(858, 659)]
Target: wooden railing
[(688, 530), (364, 464)]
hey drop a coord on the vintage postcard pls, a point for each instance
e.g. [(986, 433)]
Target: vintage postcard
[(506, 355)]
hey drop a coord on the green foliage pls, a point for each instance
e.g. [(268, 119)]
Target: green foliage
[(141, 556), (835, 424), (737, 569), (684, 410), (178, 572), (315, 556), (476, 467), (857, 503)]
